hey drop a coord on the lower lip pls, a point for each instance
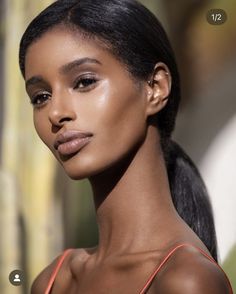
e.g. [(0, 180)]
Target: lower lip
[(73, 146)]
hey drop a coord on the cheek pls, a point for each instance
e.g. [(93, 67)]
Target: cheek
[(125, 120), (120, 124)]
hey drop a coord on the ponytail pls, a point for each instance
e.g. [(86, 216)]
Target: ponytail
[(189, 194)]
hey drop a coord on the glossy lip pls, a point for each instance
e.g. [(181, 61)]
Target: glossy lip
[(71, 141)]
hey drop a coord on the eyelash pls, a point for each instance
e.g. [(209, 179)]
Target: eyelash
[(36, 100), (89, 82)]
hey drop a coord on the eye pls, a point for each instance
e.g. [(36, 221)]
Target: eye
[(85, 83), (40, 99)]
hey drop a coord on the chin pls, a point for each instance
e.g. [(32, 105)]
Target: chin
[(87, 165), (80, 168), (79, 174), (76, 176)]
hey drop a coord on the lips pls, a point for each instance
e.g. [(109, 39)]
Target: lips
[(71, 142)]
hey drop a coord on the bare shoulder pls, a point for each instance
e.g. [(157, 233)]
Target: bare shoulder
[(73, 259), (188, 271), (40, 283)]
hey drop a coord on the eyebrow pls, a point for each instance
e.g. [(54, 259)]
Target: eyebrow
[(34, 80), (77, 63), (63, 70)]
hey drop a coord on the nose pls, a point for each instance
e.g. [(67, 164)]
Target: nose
[(61, 111)]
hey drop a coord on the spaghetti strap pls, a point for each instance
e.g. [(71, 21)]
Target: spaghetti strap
[(151, 278), (56, 270)]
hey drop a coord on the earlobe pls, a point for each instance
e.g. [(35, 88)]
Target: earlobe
[(159, 87)]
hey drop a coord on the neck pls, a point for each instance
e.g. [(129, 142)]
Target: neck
[(131, 204)]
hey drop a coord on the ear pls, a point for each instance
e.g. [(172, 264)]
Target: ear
[(158, 89)]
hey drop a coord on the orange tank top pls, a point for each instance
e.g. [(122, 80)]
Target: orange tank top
[(150, 279)]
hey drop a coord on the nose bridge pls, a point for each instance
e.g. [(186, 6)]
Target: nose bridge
[(61, 107)]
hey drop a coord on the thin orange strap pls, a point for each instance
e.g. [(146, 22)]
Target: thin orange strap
[(149, 281), (56, 270)]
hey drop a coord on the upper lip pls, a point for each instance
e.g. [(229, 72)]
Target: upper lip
[(70, 135)]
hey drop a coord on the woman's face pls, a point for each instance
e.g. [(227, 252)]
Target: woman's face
[(87, 108)]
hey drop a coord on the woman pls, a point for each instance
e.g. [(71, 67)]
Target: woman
[(104, 85)]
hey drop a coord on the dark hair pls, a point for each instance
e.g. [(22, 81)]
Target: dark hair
[(135, 36)]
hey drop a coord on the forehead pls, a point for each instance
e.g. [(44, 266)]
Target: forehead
[(60, 46)]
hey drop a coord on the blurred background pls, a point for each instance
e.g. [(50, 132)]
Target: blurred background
[(42, 211)]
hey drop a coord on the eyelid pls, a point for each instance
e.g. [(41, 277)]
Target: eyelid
[(36, 96), (85, 76)]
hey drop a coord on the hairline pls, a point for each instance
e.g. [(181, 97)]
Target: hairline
[(71, 28)]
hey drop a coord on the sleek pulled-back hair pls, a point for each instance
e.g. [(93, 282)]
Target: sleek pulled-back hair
[(135, 37), (132, 33)]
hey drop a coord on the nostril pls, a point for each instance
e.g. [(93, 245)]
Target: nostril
[(55, 129), (57, 125), (61, 122), (64, 119)]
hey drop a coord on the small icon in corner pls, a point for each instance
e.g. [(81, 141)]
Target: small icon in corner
[(16, 278), (216, 16)]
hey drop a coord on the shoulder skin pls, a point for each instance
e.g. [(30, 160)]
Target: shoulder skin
[(191, 273), (40, 283)]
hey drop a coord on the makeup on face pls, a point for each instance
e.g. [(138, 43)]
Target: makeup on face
[(87, 108), (81, 75), (72, 141)]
